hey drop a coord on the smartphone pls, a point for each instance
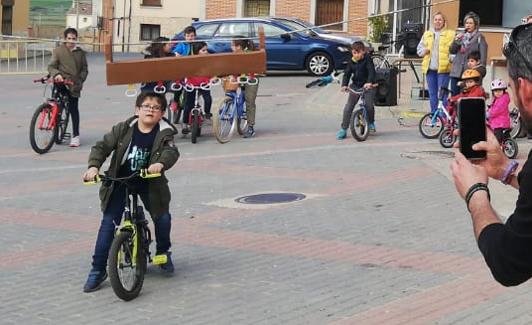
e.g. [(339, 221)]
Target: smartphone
[(472, 124)]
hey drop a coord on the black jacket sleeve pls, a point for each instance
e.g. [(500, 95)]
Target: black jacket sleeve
[(507, 248), (347, 74), (371, 70)]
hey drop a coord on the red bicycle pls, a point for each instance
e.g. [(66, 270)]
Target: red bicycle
[(50, 120)]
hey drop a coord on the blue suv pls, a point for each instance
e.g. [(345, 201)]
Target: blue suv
[(285, 49)]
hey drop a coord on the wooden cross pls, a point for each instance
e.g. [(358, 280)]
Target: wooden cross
[(175, 68)]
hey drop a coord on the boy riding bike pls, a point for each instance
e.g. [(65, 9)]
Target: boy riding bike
[(362, 73), (144, 141)]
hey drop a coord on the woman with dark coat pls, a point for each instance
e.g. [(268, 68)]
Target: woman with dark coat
[(465, 43)]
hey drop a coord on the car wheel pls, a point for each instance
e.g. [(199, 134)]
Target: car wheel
[(319, 64)]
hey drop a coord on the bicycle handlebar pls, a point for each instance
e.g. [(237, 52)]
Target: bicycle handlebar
[(143, 173), (49, 80)]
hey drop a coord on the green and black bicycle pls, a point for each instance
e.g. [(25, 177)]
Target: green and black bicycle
[(130, 250)]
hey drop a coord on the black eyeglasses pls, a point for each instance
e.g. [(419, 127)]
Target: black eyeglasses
[(147, 107), (511, 48)]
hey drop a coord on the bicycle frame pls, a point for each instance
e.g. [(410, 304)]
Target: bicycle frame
[(197, 108), (58, 103), (238, 99)]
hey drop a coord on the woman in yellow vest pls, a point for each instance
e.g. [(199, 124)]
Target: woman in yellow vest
[(434, 49)]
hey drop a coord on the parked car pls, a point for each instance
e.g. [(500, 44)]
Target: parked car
[(285, 49), (311, 30)]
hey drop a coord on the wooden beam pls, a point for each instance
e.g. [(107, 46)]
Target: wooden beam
[(176, 68)]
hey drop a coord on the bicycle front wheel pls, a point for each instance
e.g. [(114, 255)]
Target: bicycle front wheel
[(63, 124), (447, 138), (430, 129), (224, 121), (41, 134), (127, 265), (359, 125), (510, 148)]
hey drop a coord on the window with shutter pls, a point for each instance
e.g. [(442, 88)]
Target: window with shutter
[(152, 3)]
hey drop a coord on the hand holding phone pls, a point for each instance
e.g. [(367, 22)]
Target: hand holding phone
[(472, 124)]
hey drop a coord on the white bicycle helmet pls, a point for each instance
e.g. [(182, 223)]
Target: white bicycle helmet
[(498, 84)]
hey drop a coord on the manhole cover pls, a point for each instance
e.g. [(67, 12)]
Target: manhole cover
[(270, 198), (428, 154)]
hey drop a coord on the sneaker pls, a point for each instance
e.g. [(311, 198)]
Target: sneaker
[(372, 127), (341, 134), (168, 267), (250, 132), (94, 280), (185, 130), (74, 142)]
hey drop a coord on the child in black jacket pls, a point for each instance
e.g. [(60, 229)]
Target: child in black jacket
[(362, 73)]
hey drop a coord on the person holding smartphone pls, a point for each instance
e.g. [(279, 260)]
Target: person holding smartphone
[(505, 246)]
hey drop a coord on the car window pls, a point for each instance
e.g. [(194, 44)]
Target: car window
[(269, 30), (206, 31), (233, 29)]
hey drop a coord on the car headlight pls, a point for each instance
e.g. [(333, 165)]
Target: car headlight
[(343, 49)]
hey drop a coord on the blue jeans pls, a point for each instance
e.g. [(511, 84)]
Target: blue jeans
[(435, 81), (455, 90), (113, 215)]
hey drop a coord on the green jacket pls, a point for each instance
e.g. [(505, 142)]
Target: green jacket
[(71, 65), (118, 141)]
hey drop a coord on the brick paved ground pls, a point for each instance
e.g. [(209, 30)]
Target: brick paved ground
[(382, 238)]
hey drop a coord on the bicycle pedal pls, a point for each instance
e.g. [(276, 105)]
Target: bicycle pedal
[(160, 259), (67, 135)]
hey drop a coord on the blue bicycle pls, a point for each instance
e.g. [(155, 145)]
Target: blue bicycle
[(431, 124), (231, 116)]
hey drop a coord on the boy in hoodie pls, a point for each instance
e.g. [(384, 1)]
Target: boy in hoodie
[(362, 73), (144, 141)]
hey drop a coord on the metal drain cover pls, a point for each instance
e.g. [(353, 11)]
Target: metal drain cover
[(270, 198)]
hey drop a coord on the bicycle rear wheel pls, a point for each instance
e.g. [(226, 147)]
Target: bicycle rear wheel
[(242, 121), (379, 61), (428, 129), (195, 132), (41, 137), (127, 265), (515, 123), (63, 124), (359, 125), (224, 121)]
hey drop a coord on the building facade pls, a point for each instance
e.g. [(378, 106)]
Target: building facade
[(80, 15), (15, 16), (352, 13), (136, 22)]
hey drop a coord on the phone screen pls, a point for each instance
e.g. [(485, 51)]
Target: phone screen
[(472, 123)]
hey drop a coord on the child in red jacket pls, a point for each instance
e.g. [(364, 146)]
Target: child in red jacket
[(198, 48), (472, 88)]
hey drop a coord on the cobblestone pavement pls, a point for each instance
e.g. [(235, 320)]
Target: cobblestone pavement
[(382, 237)]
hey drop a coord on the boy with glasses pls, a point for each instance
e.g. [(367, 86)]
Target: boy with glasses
[(505, 246), (144, 141)]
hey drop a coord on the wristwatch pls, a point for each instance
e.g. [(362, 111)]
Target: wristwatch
[(509, 172)]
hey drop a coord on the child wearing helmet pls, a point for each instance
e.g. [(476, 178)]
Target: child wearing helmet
[(498, 114), (472, 88)]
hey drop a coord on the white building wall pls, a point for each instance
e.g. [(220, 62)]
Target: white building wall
[(172, 16)]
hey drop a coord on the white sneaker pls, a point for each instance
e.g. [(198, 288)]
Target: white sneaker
[(74, 142)]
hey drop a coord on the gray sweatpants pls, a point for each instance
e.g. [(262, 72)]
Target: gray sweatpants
[(352, 100)]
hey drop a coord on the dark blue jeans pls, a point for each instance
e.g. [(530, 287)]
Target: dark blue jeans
[(435, 81), (112, 217)]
